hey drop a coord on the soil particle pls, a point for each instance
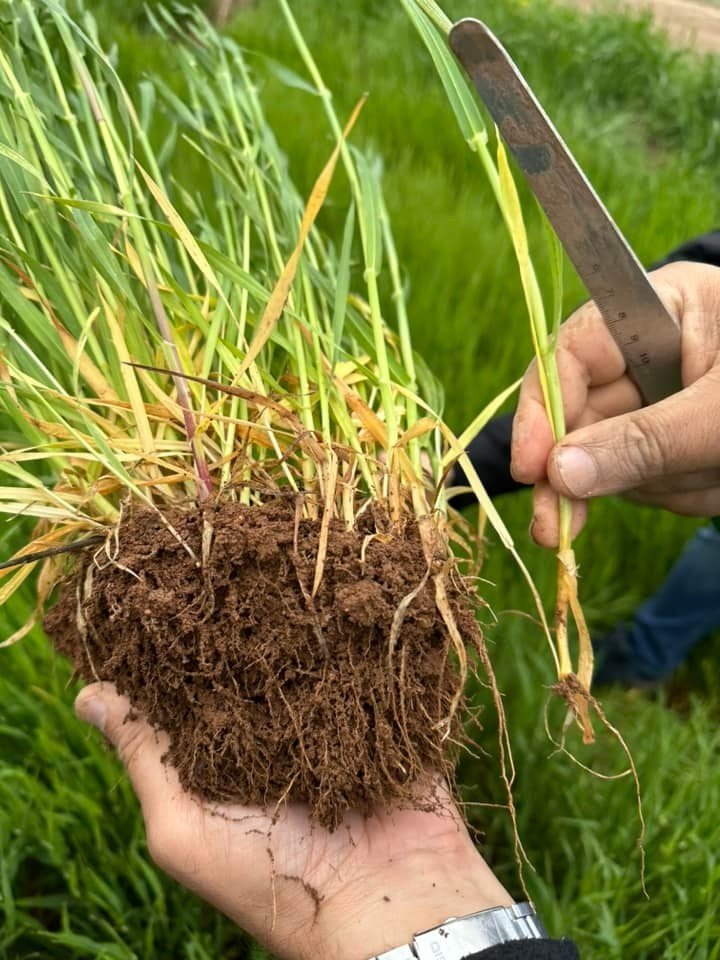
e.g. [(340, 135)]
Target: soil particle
[(265, 693)]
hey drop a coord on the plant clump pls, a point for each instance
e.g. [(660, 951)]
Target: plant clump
[(232, 460)]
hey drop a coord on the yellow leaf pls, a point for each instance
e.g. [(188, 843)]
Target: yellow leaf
[(419, 429), (87, 368), (512, 209), (278, 298), (36, 494), (134, 261), (368, 418), (183, 232), (15, 582), (129, 379), (512, 213), (332, 477)]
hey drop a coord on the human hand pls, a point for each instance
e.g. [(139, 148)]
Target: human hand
[(301, 891), (667, 454)]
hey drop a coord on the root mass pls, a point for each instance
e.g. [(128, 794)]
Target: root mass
[(265, 692)]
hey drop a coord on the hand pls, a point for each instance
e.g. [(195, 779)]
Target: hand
[(667, 454), (300, 890)]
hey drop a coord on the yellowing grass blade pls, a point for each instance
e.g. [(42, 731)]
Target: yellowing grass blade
[(499, 527), (420, 428), (483, 418), (181, 229), (367, 417), (512, 211), (14, 583), (129, 379), (331, 484), (278, 299)]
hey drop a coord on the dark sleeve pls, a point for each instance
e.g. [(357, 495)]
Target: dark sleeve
[(530, 950), (489, 454), (703, 249)]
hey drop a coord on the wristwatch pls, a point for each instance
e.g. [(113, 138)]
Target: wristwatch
[(460, 937)]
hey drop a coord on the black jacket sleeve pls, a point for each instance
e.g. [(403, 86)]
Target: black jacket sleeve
[(530, 950), (489, 453), (703, 249)]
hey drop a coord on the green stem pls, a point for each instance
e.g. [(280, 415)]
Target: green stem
[(438, 16), (386, 392)]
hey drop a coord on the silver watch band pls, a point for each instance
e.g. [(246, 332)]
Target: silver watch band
[(458, 937)]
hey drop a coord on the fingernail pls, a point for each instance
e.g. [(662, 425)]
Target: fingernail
[(92, 710), (577, 470)]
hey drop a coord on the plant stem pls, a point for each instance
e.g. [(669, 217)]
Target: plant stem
[(438, 16)]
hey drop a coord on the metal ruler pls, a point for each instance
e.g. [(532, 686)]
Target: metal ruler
[(647, 335)]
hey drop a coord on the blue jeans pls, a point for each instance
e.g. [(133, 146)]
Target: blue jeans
[(684, 610)]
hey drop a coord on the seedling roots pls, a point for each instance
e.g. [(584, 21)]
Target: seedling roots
[(266, 689)]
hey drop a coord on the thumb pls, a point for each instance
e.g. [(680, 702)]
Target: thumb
[(676, 436), (140, 747)]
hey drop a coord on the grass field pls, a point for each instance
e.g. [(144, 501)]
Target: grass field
[(75, 879)]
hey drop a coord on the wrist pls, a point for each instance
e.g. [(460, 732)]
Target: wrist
[(402, 897)]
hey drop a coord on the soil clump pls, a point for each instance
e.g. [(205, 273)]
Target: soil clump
[(266, 692)]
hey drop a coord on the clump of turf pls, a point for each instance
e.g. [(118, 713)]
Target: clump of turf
[(234, 459), (340, 700), (235, 464)]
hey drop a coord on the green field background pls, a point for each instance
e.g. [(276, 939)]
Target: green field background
[(644, 120)]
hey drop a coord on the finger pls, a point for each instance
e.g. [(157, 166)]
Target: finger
[(610, 400), (544, 527), (679, 435), (533, 440), (691, 292), (532, 436), (587, 358), (140, 747)]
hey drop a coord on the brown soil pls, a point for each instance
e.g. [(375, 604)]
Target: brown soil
[(265, 693)]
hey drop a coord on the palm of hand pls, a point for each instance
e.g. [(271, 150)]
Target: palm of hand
[(281, 877), (295, 886)]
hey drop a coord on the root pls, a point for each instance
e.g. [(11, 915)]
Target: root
[(572, 692), (84, 589), (332, 476), (577, 691), (443, 604), (271, 855), (400, 613), (340, 700), (507, 764)]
